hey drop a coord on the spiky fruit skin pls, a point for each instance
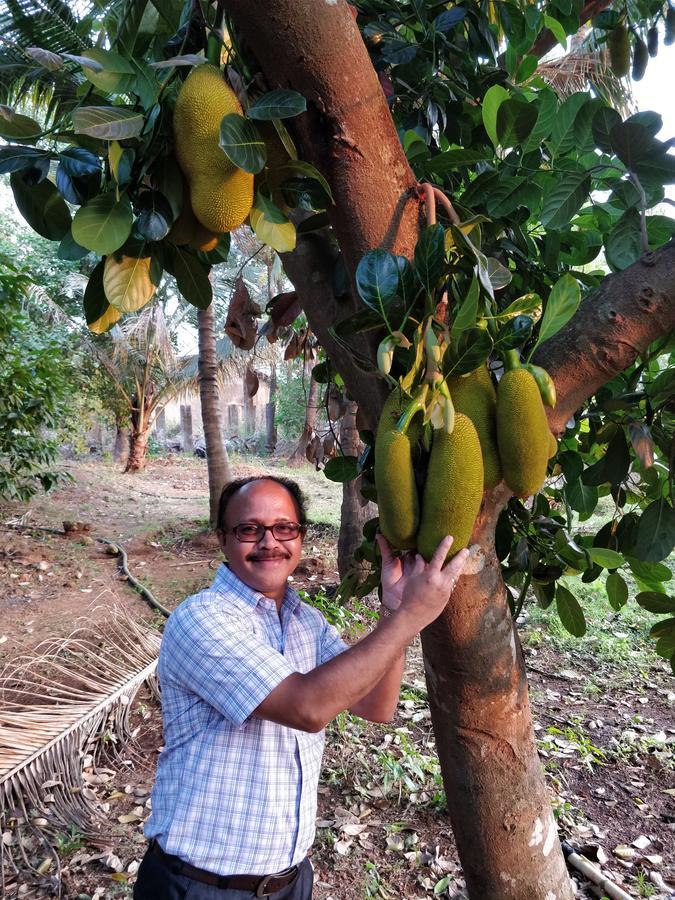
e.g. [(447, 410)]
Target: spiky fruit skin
[(474, 396), (453, 490), (640, 59), (397, 500), (220, 193), (552, 445), (619, 50), (522, 432)]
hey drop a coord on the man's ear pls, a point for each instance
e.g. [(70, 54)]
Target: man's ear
[(221, 539)]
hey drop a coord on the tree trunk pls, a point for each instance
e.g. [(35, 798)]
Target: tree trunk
[(186, 437), (311, 409), (506, 834), (138, 451), (501, 814), (209, 395), (353, 512), (249, 410), (270, 414), (122, 443)]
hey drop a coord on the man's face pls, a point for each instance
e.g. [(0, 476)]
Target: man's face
[(265, 565)]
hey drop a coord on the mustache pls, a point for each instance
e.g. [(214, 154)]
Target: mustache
[(259, 555)]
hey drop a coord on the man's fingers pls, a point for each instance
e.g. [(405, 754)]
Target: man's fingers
[(455, 567), (437, 560), (385, 549)]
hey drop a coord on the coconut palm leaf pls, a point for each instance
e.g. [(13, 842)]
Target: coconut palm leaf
[(585, 67), (55, 704)]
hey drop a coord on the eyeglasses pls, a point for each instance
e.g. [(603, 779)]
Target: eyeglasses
[(251, 533)]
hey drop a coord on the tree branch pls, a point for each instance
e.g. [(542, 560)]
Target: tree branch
[(613, 326)]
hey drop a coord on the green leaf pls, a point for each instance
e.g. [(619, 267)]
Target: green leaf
[(281, 104), (447, 20), (377, 280), (498, 275), (19, 128), (453, 159), (42, 207), (632, 142), (617, 590), (562, 303), (111, 73), (468, 309), (16, 158), (603, 121), (70, 249), (472, 349), (342, 468), (623, 245), (514, 333), (571, 614), (515, 121), (563, 137), (493, 99), (662, 389), (242, 143), (192, 277), (429, 257), (660, 604), (611, 468), (305, 170), (608, 559), (655, 537), (645, 571), (581, 497), (557, 30), (547, 110), (568, 195), (112, 123), (271, 226), (103, 224)]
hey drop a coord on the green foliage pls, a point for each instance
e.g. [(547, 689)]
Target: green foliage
[(34, 388)]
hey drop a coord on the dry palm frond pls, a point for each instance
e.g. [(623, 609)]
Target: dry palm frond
[(55, 706), (583, 68)]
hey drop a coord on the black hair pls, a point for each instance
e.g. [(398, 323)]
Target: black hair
[(235, 486)]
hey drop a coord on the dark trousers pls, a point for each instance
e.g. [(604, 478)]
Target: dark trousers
[(156, 881)]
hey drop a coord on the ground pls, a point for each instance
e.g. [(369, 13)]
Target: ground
[(603, 707)]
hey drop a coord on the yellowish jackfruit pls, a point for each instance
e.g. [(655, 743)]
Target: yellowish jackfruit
[(474, 395), (397, 500), (522, 432), (221, 194), (453, 489)]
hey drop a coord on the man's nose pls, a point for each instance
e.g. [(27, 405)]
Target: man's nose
[(268, 539)]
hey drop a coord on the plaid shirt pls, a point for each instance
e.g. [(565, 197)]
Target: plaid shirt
[(236, 794)]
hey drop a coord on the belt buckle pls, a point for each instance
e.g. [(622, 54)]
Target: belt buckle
[(261, 890)]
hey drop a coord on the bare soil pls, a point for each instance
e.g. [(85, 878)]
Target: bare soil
[(606, 734)]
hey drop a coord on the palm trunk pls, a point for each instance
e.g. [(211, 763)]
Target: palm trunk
[(353, 513), (139, 449), (209, 394)]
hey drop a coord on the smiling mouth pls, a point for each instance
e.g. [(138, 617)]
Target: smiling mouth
[(266, 558)]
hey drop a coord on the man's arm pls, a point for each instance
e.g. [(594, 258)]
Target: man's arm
[(379, 705), (308, 702)]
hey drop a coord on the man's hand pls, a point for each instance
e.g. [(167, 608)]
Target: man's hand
[(423, 588)]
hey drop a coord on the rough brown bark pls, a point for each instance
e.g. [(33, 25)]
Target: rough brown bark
[(613, 326), (139, 448), (218, 465), (122, 444), (270, 414)]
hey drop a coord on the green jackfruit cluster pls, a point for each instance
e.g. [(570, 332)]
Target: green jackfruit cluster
[(398, 504), (453, 489), (221, 194), (474, 396), (522, 432)]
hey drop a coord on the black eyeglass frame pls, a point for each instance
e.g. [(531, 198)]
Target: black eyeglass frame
[(265, 528)]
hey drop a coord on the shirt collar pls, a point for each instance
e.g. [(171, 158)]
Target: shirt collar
[(227, 583)]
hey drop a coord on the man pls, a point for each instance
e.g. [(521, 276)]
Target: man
[(250, 676)]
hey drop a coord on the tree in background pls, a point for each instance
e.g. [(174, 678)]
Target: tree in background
[(36, 378), (440, 102)]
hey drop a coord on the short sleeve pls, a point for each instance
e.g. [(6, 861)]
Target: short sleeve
[(221, 660), (331, 644)]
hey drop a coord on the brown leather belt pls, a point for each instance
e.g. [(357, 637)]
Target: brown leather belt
[(261, 885)]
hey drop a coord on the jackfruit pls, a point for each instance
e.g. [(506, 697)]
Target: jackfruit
[(397, 500), (474, 395), (522, 432), (221, 194), (619, 50), (187, 229), (653, 40), (669, 37), (640, 59), (453, 490)]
